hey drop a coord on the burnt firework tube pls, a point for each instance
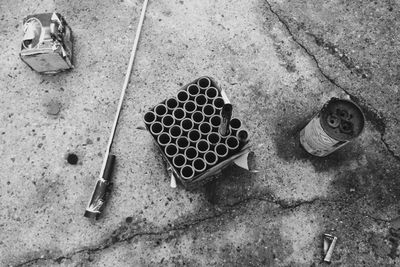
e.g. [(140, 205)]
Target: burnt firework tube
[(156, 128), (167, 121), (205, 129), (187, 172), (193, 90), (211, 94), (232, 143), (175, 132), (171, 150), (101, 191), (202, 147), (222, 151), (179, 114), (190, 107), (226, 114), (187, 124), (190, 153), (204, 83), (200, 100), (208, 110), (163, 139), (199, 165), (235, 124), (171, 103), (213, 138), (197, 117), (160, 110), (210, 158), (182, 97), (182, 143), (338, 122), (243, 137), (215, 122), (149, 117), (218, 103), (179, 161), (194, 135)]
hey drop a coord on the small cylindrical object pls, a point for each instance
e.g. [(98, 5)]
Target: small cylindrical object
[(200, 100), (171, 150), (210, 158), (160, 110), (182, 142), (182, 97), (179, 160), (193, 90), (167, 121), (190, 153), (187, 172), (163, 139), (190, 107), (208, 110), (218, 103), (194, 135), (197, 117), (213, 138), (179, 114), (221, 150), (232, 143), (175, 132), (171, 103), (235, 124), (339, 122), (243, 137), (187, 124), (156, 128), (215, 121), (199, 165), (202, 146), (149, 117), (226, 115), (211, 94), (205, 128), (204, 83)]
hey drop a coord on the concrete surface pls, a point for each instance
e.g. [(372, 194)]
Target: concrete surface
[(279, 61)]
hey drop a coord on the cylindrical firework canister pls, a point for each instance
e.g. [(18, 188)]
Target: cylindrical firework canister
[(222, 151), (187, 124), (160, 110), (193, 90), (235, 125), (194, 136), (156, 128), (211, 94), (199, 165), (334, 126), (208, 110), (149, 117), (179, 160), (213, 138), (202, 147), (163, 139), (171, 104), (190, 153), (179, 114), (218, 103), (197, 117), (232, 143), (210, 158), (175, 132), (205, 128), (204, 83), (200, 100), (189, 107), (187, 172), (167, 121), (215, 122), (243, 137), (171, 150), (182, 97), (182, 142)]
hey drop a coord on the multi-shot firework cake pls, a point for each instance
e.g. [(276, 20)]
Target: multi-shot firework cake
[(186, 129)]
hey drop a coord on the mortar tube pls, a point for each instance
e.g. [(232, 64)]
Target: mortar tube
[(179, 114), (187, 124), (179, 161), (187, 172), (197, 117), (199, 165), (210, 158), (218, 103), (190, 107), (194, 136), (171, 150), (160, 110), (156, 128), (200, 100), (182, 142), (182, 97), (235, 124), (171, 103), (232, 143), (213, 138), (202, 147), (167, 121), (149, 117), (222, 151), (163, 139), (208, 110), (193, 90), (205, 128), (243, 137), (215, 122), (211, 94), (175, 132), (190, 153), (204, 83)]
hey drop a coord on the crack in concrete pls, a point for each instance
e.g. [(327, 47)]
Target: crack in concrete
[(362, 102)]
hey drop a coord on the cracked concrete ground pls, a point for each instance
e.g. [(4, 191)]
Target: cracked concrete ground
[(279, 62)]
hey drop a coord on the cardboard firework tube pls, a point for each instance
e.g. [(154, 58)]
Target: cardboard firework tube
[(202, 147), (215, 122), (163, 139), (190, 153), (179, 114), (222, 151), (199, 165), (235, 124), (208, 110), (179, 160), (149, 117), (200, 100), (171, 103), (213, 138), (187, 124), (226, 114), (194, 135), (205, 128), (204, 83), (167, 121), (193, 90), (338, 122), (190, 107), (175, 132), (210, 158), (171, 150), (156, 128), (218, 103), (211, 94), (232, 143), (243, 137), (182, 97), (160, 110), (182, 142), (197, 117), (187, 172)]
